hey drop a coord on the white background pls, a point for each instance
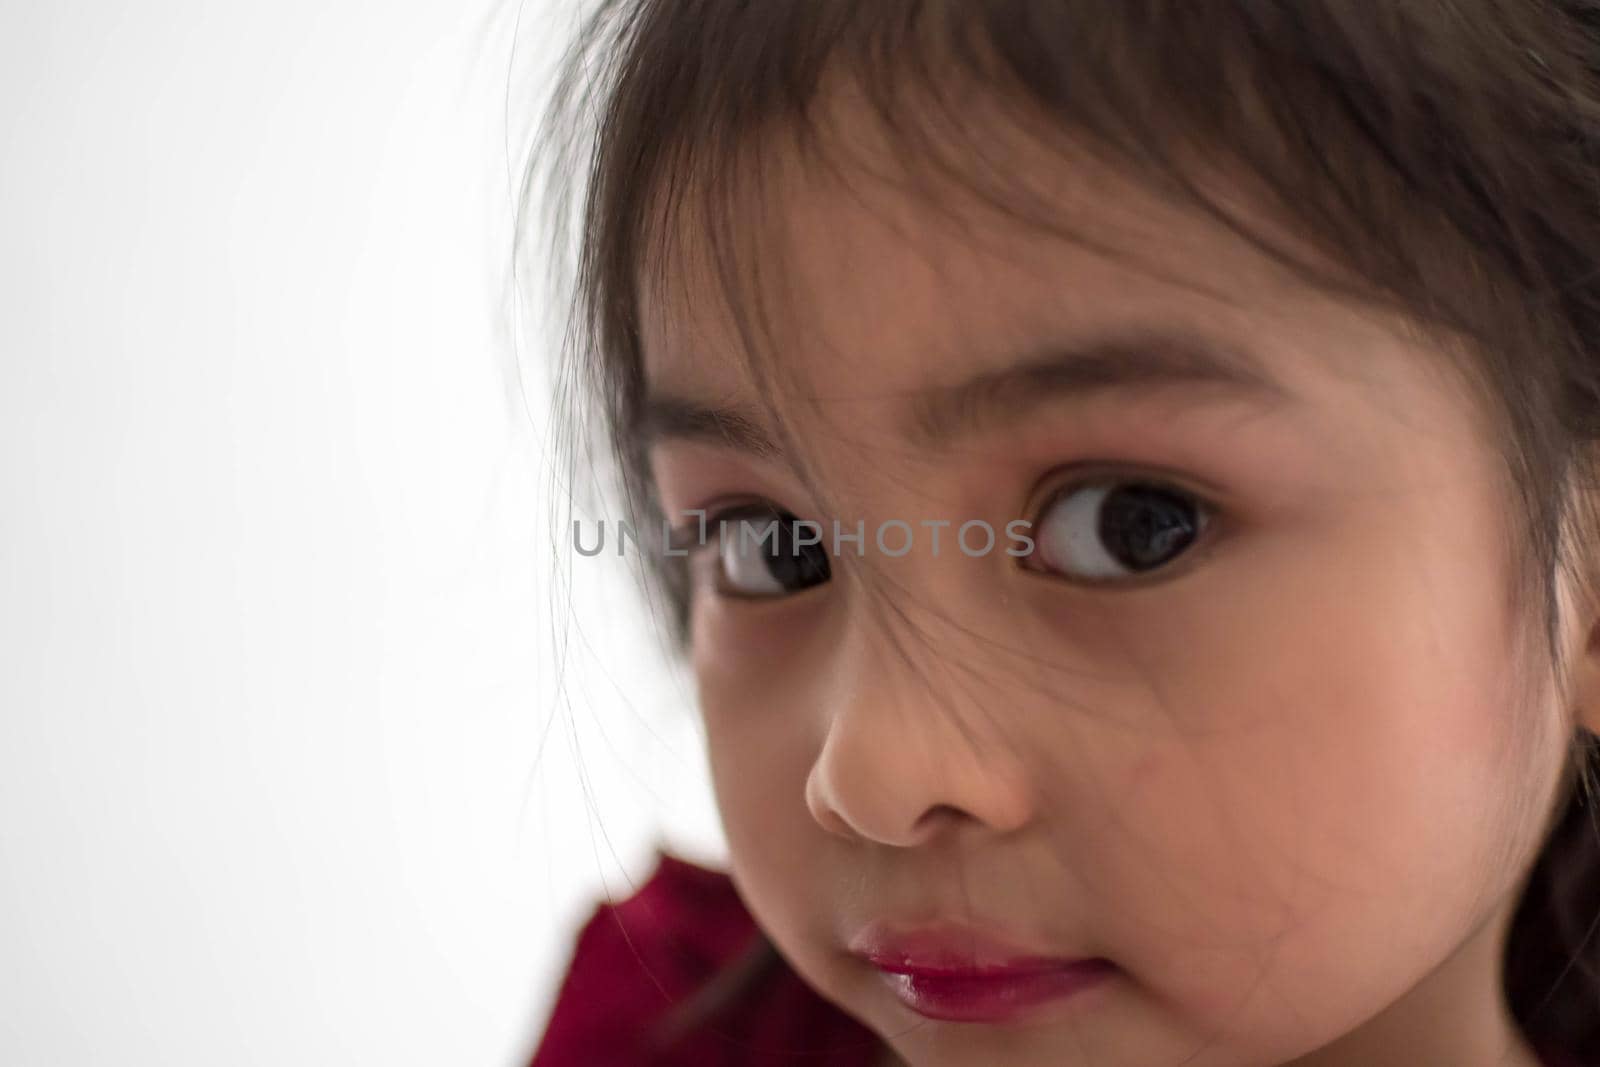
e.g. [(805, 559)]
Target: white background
[(299, 765)]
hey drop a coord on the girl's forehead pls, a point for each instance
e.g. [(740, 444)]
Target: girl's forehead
[(866, 279)]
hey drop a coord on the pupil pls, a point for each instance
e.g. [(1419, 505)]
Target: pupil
[(795, 566), (1143, 526)]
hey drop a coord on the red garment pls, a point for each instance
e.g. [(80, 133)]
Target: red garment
[(635, 960)]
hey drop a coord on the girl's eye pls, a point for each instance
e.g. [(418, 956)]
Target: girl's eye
[(1103, 531), (763, 552)]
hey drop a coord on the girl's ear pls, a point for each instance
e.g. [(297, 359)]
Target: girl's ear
[(1585, 677), (1580, 607)]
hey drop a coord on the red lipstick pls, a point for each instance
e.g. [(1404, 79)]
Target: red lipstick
[(961, 974)]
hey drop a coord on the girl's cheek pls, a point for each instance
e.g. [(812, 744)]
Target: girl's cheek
[(763, 734), (746, 643)]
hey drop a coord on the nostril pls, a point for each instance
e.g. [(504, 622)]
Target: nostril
[(835, 823), (940, 813), (822, 811)]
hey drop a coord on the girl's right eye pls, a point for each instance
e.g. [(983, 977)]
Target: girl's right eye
[(1105, 531), (762, 552)]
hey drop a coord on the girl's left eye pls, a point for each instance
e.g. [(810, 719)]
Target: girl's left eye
[(1102, 531), (764, 552)]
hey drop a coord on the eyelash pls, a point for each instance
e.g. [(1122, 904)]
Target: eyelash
[(686, 536)]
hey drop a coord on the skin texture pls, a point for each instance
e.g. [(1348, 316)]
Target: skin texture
[(1289, 784)]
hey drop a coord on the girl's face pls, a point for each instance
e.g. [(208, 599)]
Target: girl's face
[(1270, 747)]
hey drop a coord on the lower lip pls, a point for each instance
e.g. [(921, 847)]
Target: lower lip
[(989, 998)]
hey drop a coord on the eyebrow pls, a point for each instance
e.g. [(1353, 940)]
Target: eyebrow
[(667, 416), (1143, 363), (939, 415)]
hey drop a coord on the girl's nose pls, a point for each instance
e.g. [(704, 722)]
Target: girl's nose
[(902, 763)]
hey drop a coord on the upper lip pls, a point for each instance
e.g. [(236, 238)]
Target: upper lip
[(950, 949)]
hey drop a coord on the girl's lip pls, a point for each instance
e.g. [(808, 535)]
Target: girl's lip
[(962, 974), (948, 949)]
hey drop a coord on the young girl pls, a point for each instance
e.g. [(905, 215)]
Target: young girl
[(1131, 475)]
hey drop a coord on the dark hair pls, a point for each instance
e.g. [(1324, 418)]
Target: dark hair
[(1443, 158)]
